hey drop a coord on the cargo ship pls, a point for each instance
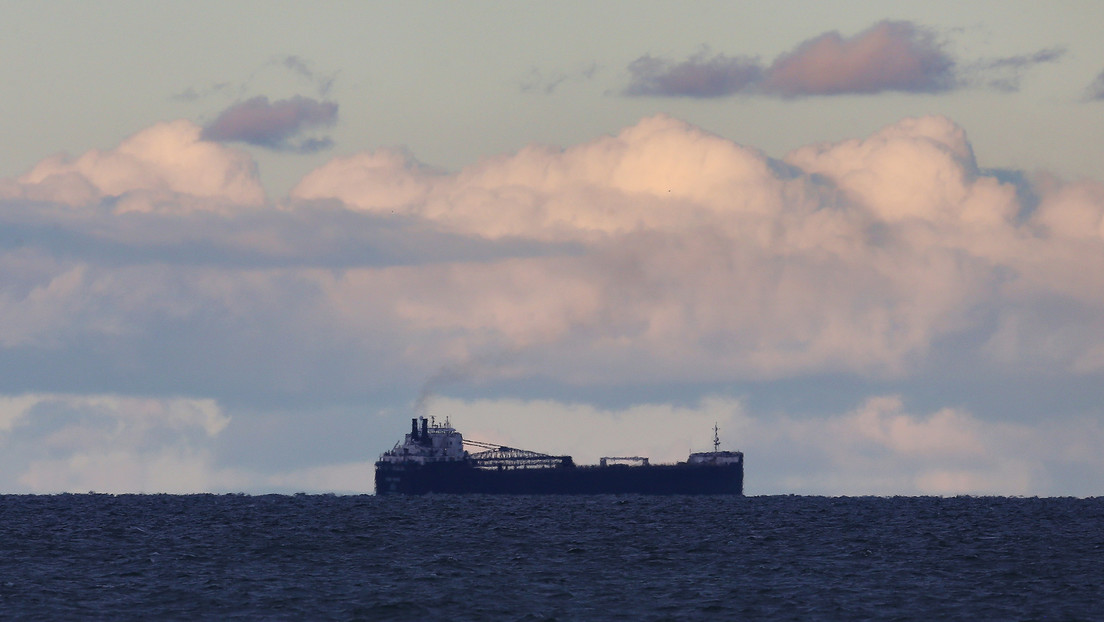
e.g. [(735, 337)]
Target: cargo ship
[(433, 458)]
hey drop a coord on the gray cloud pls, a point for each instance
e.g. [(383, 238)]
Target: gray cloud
[(191, 93), (1095, 91), (1048, 55), (316, 234), (274, 125), (321, 83), (1005, 74), (547, 82), (702, 75), (301, 67)]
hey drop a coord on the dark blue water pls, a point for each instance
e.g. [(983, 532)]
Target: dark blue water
[(549, 558)]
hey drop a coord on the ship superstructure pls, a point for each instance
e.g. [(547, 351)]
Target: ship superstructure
[(432, 459), (439, 443)]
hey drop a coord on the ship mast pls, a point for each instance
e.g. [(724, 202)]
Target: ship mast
[(716, 438)]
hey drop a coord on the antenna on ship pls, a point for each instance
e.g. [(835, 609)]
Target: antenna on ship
[(716, 438)]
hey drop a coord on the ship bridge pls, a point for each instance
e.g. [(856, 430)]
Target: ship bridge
[(428, 441)]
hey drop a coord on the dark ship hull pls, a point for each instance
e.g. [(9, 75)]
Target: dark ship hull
[(465, 478), (432, 459)]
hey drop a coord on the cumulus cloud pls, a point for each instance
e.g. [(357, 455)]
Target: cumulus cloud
[(709, 262), (391, 179), (678, 201), (889, 56), (274, 125), (661, 256), (165, 163), (860, 255), (545, 193)]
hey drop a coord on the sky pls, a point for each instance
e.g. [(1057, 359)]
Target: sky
[(241, 244)]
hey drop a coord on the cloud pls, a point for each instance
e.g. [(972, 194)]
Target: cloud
[(547, 82), (191, 93), (547, 194), (1095, 90), (702, 75), (301, 67), (110, 443), (391, 179), (864, 256), (297, 66), (117, 444), (833, 252), (159, 164), (274, 125), (1005, 74), (889, 56), (661, 260)]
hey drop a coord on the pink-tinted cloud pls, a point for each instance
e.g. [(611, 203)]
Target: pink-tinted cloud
[(274, 125), (889, 56)]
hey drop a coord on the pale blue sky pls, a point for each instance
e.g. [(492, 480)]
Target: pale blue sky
[(444, 80)]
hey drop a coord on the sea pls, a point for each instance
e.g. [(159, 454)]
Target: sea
[(609, 557)]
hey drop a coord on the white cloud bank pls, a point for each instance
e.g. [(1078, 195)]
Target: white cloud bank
[(116, 444), (662, 255), (108, 443)]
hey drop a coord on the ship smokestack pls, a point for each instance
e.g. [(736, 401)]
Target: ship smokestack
[(413, 428), (425, 430)]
